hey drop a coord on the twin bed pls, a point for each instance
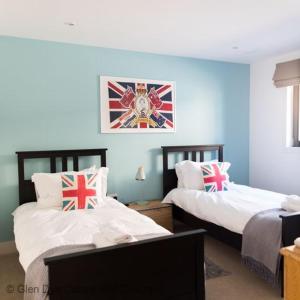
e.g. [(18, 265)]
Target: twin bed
[(58, 255), (223, 216), (226, 215), (152, 267)]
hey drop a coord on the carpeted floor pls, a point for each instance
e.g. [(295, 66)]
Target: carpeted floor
[(212, 270), (11, 277), (240, 284)]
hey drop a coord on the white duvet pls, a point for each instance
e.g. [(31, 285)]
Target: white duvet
[(230, 209), (40, 229)]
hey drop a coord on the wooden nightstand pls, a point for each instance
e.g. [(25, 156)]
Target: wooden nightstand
[(159, 212), (291, 272)]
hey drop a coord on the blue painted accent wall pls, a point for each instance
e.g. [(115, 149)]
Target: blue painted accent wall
[(49, 99)]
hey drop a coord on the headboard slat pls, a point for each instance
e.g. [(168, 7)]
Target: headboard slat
[(169, 175), (201, 156), (52, 164), (75, 163), (26, 187), (194, 156), (186, 155), (64, 163)]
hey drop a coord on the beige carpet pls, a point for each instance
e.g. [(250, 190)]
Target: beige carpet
[(11, 278), (240, 285)]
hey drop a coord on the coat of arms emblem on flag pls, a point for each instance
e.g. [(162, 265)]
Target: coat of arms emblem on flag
[(137, 105)]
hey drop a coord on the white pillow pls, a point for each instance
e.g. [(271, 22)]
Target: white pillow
[(178, 170), (102, 182), (190, 175), (48, 186)]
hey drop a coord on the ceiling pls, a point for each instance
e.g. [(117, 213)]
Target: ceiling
[(230, 30)]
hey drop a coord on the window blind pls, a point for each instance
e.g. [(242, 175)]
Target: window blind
[(287, 73)]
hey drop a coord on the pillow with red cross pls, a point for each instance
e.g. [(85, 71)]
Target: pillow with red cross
[(215, 176), (79, 191)]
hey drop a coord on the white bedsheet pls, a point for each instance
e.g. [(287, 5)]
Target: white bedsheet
[(230, 209), (40, 229)]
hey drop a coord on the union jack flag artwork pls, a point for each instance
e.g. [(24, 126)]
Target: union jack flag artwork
[(79, 191), (137, 105)]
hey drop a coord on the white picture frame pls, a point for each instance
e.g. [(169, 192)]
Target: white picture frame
[(130, 105)]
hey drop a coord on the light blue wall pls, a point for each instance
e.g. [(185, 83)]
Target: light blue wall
[(49, 99)]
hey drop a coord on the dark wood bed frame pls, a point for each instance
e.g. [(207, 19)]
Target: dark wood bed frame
[(170, 182), (169, 267), (290, 223)]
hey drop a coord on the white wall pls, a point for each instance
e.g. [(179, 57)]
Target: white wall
[(272, 165)]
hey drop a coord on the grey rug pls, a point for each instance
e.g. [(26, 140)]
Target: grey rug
[(213, 271)]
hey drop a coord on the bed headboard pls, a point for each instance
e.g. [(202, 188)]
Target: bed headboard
[(26, 187), (189, 152)]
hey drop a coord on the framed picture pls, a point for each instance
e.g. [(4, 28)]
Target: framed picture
[(131, 105)]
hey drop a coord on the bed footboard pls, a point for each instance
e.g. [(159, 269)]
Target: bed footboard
[(169, 267), (290, 228)]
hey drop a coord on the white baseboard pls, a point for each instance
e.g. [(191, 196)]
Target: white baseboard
[(7, 247)]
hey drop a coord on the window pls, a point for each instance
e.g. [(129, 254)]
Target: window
[(287, 75), (293, 113)]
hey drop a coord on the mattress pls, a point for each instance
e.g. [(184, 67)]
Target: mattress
[(230, 209), (40, 229)]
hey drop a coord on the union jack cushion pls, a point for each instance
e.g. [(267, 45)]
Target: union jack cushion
[(79, 191), (215, 176)]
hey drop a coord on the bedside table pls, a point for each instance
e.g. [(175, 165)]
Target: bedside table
[(159, 212), (291, 272)]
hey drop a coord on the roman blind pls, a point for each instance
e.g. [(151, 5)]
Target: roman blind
[(287, 73)]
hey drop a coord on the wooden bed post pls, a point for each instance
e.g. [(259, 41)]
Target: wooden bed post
[(165, 170)]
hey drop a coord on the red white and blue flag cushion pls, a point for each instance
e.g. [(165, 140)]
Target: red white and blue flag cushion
[(79, 191), (215, 177)]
